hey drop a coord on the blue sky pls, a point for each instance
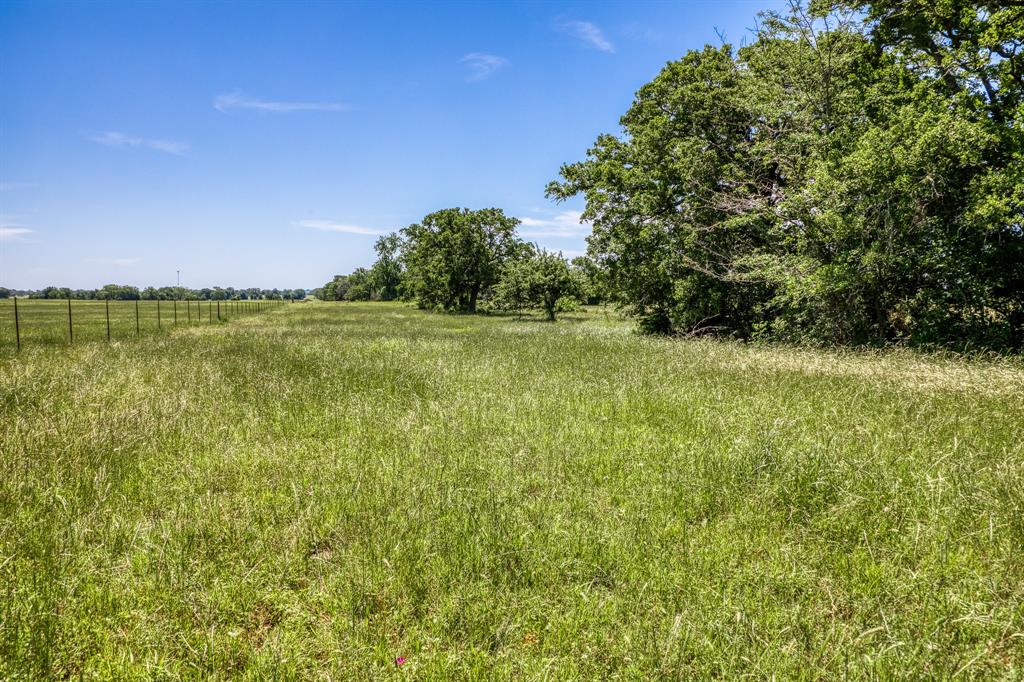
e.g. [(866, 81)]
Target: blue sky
[(252, 144)]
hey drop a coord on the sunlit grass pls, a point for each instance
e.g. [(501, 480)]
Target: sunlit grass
[(46, 321), (315, 492)]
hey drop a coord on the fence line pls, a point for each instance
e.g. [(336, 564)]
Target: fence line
[(231, 308)]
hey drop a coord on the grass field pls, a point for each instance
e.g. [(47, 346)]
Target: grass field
[(46, 321), (319, 491)]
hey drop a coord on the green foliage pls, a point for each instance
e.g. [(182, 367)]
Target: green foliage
[(386, 273), (360, 285), (120, 292), (592, 280), (454, 256), (540, 280), (836, 180), (514, 290), (973, 50), (334, 290)]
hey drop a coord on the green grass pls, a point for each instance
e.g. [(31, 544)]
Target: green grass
[(314, 492), (43, 321)]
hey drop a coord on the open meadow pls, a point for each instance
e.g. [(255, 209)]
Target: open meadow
[(344, 491), (46, 321)]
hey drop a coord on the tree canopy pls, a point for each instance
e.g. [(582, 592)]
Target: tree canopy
[(851, 176), (387, 273), (540, 280), (454, 255)]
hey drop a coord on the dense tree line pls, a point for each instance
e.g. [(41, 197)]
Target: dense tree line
[(853, 175), (121, 292)]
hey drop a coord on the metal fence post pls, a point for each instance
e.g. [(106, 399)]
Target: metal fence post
[(71, 331), (218, 310), (175, 312), (158, 325), (17, 326), (136, 317), (106, 305)]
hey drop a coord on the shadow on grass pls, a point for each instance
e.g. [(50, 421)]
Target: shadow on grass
[(535, 317)]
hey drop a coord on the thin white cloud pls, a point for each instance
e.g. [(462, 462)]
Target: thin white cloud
[(236, 100), (588, 34), (13, 233), (561, 224), (482, 65), (331, 226), (121, 262), (123, 141)]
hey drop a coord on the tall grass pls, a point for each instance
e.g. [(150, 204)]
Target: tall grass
[(319, 491)]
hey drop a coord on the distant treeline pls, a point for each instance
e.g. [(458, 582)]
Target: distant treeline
[(853, 174), (121, 292)]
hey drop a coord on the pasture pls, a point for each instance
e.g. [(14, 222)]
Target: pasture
[(364, 491), (49, 321)]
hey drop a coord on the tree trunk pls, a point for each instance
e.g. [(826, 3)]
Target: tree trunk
[(473, 296)]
